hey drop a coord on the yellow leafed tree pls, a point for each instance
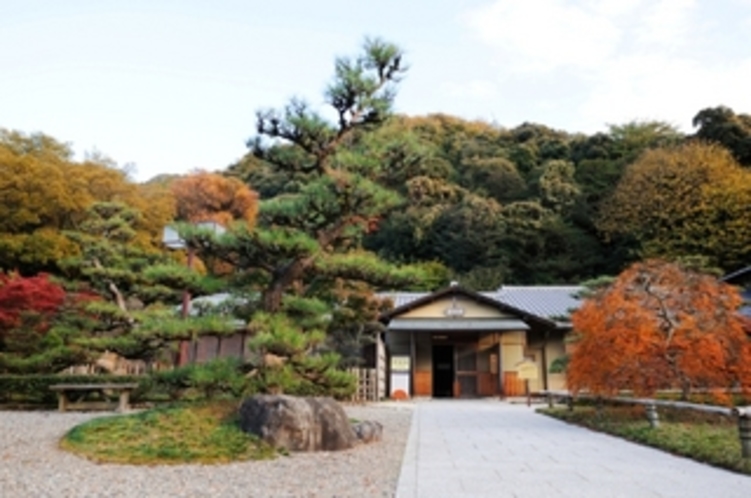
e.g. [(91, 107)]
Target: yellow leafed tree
[(689, 200)]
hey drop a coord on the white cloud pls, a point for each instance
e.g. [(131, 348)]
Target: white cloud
[(616, 60), (666, 24), (545, 34), (661, 88)]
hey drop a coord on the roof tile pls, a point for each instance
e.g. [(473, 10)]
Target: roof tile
[(550, 302)]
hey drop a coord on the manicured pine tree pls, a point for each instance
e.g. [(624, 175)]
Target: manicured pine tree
[(137, 314), (309, 237)]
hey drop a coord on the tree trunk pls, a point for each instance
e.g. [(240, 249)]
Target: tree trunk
[(282, 280), (272, 298)]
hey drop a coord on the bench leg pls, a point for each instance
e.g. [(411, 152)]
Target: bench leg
[(124, 403), (62, 401)]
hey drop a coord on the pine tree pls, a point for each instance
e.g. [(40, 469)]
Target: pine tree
[(136, 314), (309, 237)]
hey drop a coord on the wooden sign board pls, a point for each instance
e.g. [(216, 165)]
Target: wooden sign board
[(527, 371)]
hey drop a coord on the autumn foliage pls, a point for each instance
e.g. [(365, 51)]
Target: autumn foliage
[(204, 196), (44, 193), (659, 326), (25, 296), (681, 201)]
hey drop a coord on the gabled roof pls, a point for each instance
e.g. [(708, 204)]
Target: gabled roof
[(543, 304), (406, 301)]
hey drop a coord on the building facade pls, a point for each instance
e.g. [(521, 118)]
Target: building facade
[(458, 343)]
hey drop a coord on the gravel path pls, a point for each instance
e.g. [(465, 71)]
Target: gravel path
[(31, 465)]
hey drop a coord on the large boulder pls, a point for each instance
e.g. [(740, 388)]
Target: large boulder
[(296, 423)]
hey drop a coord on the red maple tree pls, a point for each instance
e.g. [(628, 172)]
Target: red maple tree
[(24, 296), (660, 325)]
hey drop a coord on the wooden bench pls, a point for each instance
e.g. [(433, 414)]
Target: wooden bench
[(65, 390)]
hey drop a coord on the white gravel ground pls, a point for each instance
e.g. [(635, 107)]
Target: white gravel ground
[(31, 465)]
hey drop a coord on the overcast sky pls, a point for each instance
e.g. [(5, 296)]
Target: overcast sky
[(173, 86)]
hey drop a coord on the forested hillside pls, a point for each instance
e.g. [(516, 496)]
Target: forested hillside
[(526, 205), (534, 205)]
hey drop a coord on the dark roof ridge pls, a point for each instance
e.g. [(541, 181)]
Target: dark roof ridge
[(738, 273)]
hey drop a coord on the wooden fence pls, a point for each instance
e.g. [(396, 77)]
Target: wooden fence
[(368, 385), (742, 413)]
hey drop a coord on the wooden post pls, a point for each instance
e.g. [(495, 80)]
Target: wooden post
[(124, 404), (744, 433), (652, 416), (526, 391), (412, 366), (62, 401)]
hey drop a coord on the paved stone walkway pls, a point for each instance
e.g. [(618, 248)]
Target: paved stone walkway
[(484, 448)]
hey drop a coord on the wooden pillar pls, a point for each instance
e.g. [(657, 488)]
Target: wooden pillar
[(544, 361), (62, 400), (744, 434), (499, 375), (124, 402), (412, 366)]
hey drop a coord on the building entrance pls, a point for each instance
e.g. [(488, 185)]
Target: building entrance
[(443, 371)]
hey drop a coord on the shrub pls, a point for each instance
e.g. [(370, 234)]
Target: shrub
[(208, 380)]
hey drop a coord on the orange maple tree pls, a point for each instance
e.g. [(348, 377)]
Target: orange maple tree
[(204, 196), (660, 325)]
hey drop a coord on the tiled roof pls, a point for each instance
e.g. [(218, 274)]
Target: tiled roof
[(403, 298), (549, 302)]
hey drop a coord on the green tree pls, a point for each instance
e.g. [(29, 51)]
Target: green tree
[(558, 188), (722, 126), (496, 176), (468, 233), (309, 237), (136, 315)]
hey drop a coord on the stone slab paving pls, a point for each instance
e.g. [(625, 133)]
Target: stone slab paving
[(488, 448)]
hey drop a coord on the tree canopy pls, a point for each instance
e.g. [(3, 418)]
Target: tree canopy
[(308, 237), (693, 199), (659, 326), (44, 192), (204, 196)]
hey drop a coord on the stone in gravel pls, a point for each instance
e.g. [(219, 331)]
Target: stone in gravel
[(297, 423), (368, 431)]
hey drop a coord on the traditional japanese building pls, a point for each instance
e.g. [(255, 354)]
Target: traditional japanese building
[(458, 343)]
